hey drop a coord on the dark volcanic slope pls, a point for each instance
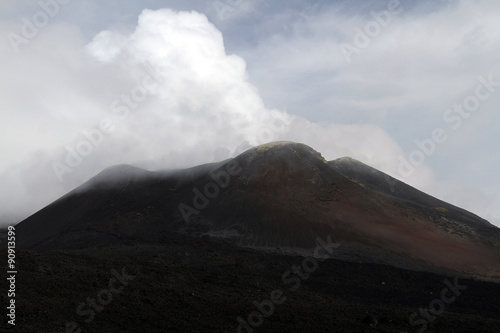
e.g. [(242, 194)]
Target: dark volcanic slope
[(204, 285), (280, 195), (407, 195)]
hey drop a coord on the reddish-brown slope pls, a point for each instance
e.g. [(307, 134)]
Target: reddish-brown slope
[(287, 195)]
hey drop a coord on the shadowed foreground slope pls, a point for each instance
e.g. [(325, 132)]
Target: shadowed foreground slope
[(204, 285)]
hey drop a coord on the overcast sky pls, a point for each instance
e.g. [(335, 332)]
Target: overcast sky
[(409, 87)]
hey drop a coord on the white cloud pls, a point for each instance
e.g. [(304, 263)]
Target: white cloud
[(186, 97)]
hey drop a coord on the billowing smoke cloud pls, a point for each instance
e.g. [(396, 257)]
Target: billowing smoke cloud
[(165, 95)]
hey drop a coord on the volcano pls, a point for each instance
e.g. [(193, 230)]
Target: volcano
[(278, 197), (276, 239)]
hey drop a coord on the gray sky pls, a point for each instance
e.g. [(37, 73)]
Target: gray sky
[(409, 87)]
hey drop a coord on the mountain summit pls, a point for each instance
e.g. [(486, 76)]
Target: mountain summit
[(279, 196)]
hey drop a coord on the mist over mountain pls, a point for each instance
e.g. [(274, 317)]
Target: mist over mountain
[(168, 85), (279, 197)]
